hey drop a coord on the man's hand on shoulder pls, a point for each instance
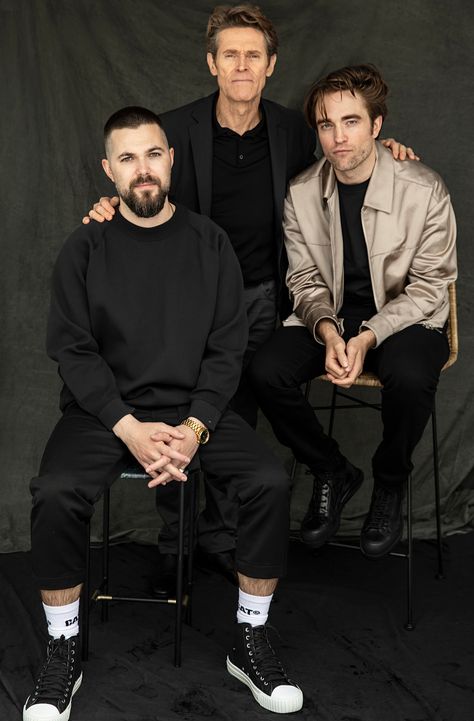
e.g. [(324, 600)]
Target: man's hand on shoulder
[(398, 150), (151, 444), (103, 210)]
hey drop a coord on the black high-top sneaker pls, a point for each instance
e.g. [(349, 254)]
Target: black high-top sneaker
[(253, 661), (57, 682), (383, 527), (331, 491)]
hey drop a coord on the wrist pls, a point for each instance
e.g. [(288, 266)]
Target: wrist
[(123, 426), (201, 432)]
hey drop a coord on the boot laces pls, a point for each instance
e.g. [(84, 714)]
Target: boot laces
[(56, 676), (380, 514), (266, 663), (324, 486)]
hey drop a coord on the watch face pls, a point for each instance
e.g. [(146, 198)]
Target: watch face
[(204, 437)]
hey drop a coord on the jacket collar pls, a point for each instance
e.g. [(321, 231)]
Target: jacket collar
[(379, 195)]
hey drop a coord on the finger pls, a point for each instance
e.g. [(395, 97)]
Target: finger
[(171, 472), (114, 201), (101, 212), (106, 205), (165, 478), (170, 454), (86, 220), (411, 154), (171, 432), (95, 216), (157, 465)]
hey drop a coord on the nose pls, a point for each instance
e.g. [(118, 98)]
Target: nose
[(339, 133), (242, 61)]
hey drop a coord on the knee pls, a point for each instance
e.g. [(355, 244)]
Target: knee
[(273, 480), (55, 494), (410, 381)]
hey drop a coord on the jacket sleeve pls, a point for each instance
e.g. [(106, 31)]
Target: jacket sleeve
[(221, 365), (312, 299), (70, 341), (432, 269)]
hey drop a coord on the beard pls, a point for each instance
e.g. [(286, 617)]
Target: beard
[(147, 203)]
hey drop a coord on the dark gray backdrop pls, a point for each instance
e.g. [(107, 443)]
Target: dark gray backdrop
[(66, 65)]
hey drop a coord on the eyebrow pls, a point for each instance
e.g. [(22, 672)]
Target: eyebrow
[(344, 117), (149, 150)]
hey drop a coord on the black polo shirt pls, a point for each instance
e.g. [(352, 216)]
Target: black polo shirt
[(242, 198)]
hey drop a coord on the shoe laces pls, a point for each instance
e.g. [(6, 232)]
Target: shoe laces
[(380, 512), (56, 676), (323, 487), (265, 661)]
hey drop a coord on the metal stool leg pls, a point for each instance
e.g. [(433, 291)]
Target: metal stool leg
[(333, 411), (439, 531), (85, 600), (104, 609), (409, 624), (192, 493), (179, 580)]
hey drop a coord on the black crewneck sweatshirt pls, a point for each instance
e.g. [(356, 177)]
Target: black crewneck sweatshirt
[(148, 318)]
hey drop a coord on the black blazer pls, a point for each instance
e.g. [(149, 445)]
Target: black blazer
[(189, 130)]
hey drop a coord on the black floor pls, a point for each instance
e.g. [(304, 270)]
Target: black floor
[(339, 629)]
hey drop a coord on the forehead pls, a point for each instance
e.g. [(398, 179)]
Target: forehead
[(136, 139), (339, 104), (241, 39)]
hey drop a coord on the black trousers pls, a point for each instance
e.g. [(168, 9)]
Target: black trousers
[(218, 521), (407, 363), (82, 458)]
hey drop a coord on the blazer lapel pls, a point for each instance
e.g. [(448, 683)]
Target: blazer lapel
[(277, 142), (200, 133)]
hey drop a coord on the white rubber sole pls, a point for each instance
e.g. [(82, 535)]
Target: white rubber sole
[(39, 712), (294, 701)]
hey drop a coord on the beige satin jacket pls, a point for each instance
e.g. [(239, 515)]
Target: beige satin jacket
[(410, 231)]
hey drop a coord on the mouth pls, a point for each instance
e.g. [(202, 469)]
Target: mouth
[(144, 186)]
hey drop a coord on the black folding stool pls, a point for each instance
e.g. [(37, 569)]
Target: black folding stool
[(104, 596)]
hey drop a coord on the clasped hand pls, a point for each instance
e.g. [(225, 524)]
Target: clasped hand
[(164, 451), (345, 361)]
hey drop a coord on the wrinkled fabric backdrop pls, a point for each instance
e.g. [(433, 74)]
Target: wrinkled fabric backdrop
[(66, 65)]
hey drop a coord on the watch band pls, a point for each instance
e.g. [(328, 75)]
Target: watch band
[(202, 434)]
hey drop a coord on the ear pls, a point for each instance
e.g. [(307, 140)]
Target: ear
[(271, 65), (377, 126), (172, 156), (107, 170), (211, 64)]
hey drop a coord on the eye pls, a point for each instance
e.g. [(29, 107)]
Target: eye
[(125, 158), (155, 154), (352, 121), (325, 126)]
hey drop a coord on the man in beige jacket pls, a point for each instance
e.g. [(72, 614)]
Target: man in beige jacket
[(371, 249)]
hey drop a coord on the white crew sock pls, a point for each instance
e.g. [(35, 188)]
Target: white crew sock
[(62, 620), (253, 609)]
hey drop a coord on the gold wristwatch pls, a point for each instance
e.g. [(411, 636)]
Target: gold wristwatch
[(202, 434)]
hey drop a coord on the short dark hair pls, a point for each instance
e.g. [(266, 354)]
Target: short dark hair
[(131, 117), (363, 79), (240, 16)]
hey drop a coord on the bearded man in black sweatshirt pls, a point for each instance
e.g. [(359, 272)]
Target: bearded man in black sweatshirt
[(148, 328)]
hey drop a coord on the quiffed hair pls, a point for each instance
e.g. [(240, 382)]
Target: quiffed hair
[(240, 16), (131, 117), (363, 79)]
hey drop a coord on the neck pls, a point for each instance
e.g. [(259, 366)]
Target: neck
[(239, 116), (359, 174), (162, 217)]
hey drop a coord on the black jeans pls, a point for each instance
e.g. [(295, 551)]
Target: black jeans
[(82, 458), (218, 521), (407, 363)]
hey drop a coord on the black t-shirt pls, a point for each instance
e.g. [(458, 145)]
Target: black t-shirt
[(242, 198), (358, 299)]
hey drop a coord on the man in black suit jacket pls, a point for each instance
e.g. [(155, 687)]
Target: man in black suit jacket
[(234, 155)]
